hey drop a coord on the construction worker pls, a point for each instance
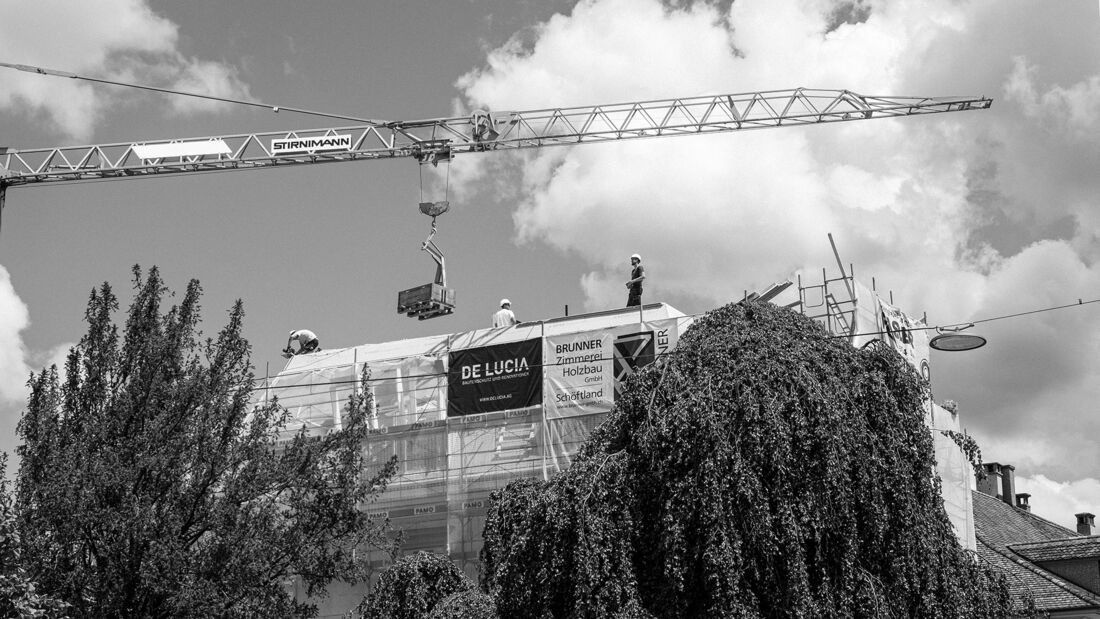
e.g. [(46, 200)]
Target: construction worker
[(637, 276), (307, 342), (504, 317)]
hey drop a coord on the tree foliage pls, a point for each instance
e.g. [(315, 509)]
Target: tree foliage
[(19, 595), (425, 584), (152, 485), (764, 470), (468, 604)]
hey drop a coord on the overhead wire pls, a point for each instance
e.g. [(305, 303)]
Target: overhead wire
[(656, 355), (1038, 311), (274, 108), (952, 325), (357, 380)]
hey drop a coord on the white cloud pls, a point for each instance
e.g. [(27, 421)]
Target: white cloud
[(640, 44), (120, 40), (1031, 391), (1073, 110), (208, 78), (16, 361), (722, 214), (965, 216), (14, 318), (1059, 501)]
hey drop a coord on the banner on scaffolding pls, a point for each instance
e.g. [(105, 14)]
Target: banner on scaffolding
[(905, 335), (494, 378), (876, 320), (584, 371)]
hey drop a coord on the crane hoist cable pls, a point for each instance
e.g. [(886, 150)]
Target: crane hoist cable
[(434, 299), (434, 210)]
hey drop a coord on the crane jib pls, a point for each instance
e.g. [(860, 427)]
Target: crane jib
[(435, 140)]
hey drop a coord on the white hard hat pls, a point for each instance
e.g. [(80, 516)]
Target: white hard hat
[(635, 256), (504, 302), (293, 332)]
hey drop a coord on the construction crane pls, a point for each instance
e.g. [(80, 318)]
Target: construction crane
[(433, 141), (436, 140)]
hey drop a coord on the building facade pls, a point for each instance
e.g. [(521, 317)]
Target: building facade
[(467, 413)]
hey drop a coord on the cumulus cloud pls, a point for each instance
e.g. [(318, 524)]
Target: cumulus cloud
[(1060, 501), (1031, 391), (17, 361), (747, 208), (14, 318), (1074, 110), (965, 216), (208, 78), (120, 40)]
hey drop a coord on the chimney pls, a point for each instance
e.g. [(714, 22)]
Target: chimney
[(991, 485), (1021, 501), (1085, 523), (1008, 483)]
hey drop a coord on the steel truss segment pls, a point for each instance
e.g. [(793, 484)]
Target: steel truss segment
[(436, 139)]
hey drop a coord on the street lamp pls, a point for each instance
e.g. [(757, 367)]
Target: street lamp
[(953, 339)]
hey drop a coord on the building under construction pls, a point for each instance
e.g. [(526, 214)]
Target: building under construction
[(467, 413)]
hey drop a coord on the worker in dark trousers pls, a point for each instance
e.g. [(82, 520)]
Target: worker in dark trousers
[(307, 342), (637, 276)]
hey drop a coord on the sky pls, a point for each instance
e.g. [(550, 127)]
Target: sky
[(962, 217)]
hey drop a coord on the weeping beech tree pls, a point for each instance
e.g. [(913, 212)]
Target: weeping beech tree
[(151, 486), (763, 470)]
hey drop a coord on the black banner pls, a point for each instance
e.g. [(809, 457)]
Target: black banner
[(632, 352), (494, 378)]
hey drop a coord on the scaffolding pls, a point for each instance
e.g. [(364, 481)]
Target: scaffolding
[(846, 308), (451, 458)]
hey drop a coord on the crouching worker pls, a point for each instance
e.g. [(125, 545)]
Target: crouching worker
[(307, 343)]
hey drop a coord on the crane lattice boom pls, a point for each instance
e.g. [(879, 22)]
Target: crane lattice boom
[(438, 139)]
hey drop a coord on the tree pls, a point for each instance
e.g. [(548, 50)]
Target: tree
[(765, 469), (19, 596), (423, 584), (152, 485)]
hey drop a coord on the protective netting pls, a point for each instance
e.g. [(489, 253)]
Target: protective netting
[(955, 473), (466, 414)]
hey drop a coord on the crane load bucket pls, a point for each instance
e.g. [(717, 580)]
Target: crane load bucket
[(435, 209), (427, 301)]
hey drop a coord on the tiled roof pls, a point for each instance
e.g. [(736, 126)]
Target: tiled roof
[(998, 526), (1059, 550), (1005, 524)]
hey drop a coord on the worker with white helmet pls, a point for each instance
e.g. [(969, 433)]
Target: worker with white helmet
[(637, 276), (307, 342), (504, 317)]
